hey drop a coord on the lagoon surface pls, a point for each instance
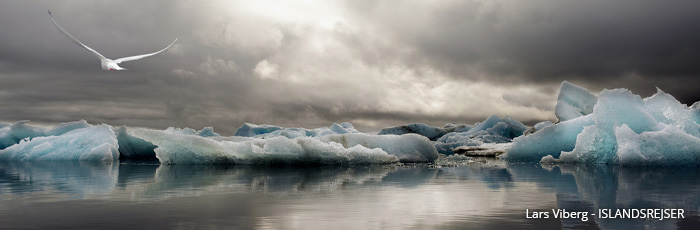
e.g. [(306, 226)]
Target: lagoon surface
[(481, 194)]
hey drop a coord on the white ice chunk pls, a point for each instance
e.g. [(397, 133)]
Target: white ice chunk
[(269, 131), (551, 140), (20, 130), (408, 148), (176, 148), (667, 110), (207, 132), (492, 130), (96, 143), (66, 127), (597, 144), (667, 147), (457, 128), (431, 132), (540, 125), (251, 130), (573, 101), (623, 129)]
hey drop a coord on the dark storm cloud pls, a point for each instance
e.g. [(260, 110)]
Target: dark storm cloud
[(374, 63), (595, 42)]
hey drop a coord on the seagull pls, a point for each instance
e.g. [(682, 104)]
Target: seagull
[(107, 64)]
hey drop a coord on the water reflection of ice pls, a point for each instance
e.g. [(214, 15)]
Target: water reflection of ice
[(70, 180), (482, 194), (606, 187)]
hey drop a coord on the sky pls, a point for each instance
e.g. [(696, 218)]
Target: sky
[(312, 63)]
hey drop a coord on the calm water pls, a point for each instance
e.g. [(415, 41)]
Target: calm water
[(484, 195)]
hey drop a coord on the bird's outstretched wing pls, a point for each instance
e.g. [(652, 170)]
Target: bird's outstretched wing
[(137, 57), (75, 40)]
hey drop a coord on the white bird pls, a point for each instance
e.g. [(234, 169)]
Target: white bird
[(107, 64)]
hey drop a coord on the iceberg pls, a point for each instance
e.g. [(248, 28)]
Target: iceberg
[(176, 148), (458, 128), (431, 132), (337, 144), (269, 131), (537, 127), (650, 148), (540, 125), (208, 132), (492, 130), (251, 130), (551, 140), (205, 132), (11, 134), (131, 147), (695, 110), (623, 129), (96, 143), (573, 101), (408, 147)]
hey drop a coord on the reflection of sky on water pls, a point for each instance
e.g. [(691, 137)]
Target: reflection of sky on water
[(483, 195)]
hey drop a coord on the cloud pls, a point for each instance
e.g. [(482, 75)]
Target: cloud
[(266, 70), (373, 63), (183, 73), (215, 66)]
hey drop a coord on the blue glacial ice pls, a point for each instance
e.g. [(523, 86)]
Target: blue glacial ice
[(95, 143), (540, 125), (131, 147), (408, 148), (431, 132), (492, 130), (623, 129), (176, 148), (551, 140), (337, 144), (573, 101), (251, 130), (205, 132), (11, 134), (267, 131), (695, 108)]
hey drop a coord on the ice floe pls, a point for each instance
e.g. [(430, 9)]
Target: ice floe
[(11, 134), (267, 131), (573, 101), (492, 130), (96, 143), (623, 129), (431, 132), (175, 148)]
